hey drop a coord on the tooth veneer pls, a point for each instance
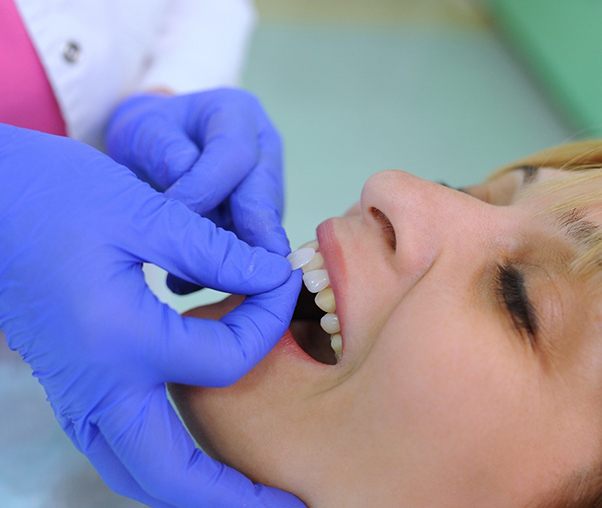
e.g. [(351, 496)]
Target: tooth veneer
[(313, 244), (315, 263), (301, 257)]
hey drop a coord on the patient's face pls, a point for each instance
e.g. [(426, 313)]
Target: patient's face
[(450, 392)]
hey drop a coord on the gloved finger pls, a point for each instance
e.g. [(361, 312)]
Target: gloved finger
[(230, 152), (256, 204), (149, 439), (115, 475), (171, 236), (170, 154), (157, 149), (204, 352), (221, 218)]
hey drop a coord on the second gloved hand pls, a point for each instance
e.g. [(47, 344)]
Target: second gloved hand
[(75, 228), (215, 151)]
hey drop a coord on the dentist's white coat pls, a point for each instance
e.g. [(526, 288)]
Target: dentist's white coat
[(96, 52)]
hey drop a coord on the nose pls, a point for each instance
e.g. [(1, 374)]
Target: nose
[(427, 218)]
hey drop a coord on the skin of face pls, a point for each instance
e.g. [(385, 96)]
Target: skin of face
[(440, 399)]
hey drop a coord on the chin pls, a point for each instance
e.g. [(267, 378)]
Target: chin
[(253, 425), (237, 425)]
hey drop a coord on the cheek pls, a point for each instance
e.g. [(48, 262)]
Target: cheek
[(450, 396), (449, 392)]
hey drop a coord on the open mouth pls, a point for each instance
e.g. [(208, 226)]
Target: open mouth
[(308, 333), (315, 326)]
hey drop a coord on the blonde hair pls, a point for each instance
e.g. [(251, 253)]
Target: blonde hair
[(570, 157), (573, 193)]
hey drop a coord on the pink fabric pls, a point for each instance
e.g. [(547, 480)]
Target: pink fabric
[(26, 97)]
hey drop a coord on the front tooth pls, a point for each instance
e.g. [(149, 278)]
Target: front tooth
[(330, 323), (316, 280), (315, 263), (336, 343), (301, 257), (313, 244), (325, 300)]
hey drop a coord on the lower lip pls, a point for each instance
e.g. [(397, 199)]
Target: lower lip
[(288, 346)]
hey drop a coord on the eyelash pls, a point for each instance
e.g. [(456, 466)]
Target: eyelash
[(511, 290), (510, 284)]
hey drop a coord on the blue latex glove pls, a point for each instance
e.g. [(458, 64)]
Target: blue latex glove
[(215, 151), (75, 228)]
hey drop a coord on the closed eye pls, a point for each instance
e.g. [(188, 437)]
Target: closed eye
[(512, 292)]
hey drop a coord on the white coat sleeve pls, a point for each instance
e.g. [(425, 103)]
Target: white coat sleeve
[(201, 44)]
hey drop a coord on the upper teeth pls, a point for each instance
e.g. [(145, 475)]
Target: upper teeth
[(330, 323), (325, 300), (317, 281), (316, 262)]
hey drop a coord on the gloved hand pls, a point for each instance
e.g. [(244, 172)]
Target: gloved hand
[(215, 151), (75, 228)]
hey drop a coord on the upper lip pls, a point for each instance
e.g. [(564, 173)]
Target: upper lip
[(334, 262)]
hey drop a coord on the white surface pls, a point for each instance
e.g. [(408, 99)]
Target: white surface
[(133, 45)]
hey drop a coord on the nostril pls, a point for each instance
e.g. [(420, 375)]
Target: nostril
[(386, 226)]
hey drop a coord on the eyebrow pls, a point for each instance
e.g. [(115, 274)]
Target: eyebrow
[(584, 233)]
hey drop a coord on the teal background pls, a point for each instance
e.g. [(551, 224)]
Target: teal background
[(428, 89), (561, 43)]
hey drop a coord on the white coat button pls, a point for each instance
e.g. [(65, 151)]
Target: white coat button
[(71, 52)]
